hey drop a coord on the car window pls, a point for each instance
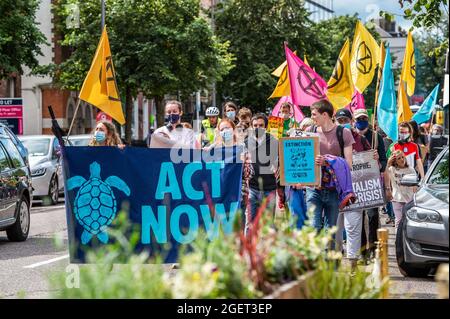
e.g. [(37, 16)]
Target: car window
[(4, 162), (440, 172), (23, 151), (55, 147), (80, 141), (13, 152), (37, 147)]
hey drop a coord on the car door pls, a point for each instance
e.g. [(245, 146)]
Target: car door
[(5, 186)]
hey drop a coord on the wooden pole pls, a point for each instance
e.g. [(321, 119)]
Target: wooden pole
[(383, 235), (74, 117)]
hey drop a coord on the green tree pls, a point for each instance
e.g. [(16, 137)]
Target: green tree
[(19, 36), (159, 47), (256, 30)]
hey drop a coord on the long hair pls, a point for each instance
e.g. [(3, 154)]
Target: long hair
[(112, 137), (393, 159)]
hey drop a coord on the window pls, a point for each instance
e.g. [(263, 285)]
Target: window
[(440, 172), (13, 152), (4, 162), (37, 147)]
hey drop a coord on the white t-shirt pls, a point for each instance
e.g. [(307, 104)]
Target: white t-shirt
[(401, 194), (178, 137)]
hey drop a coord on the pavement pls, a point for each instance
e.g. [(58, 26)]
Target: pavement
[(26, 266)]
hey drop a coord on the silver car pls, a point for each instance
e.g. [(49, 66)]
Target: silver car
[(45, 165), (80, 140), (422, 240)]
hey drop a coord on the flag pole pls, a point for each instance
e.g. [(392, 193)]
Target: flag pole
[(375, 141)]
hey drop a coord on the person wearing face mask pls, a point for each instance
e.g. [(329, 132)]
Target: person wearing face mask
[(105, 134), (263, 150), (287, 115), (371, 217), (409, 148), (230, 112), (173, 134)]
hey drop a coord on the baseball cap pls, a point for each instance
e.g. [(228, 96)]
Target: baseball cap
[(360, 112), (343, 113)]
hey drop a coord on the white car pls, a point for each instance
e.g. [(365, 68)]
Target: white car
[(45, 164), (80, 140)]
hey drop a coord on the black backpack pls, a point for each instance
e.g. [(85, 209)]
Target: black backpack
[(339, 135)]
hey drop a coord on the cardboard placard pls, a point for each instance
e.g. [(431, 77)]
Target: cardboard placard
[(297, 161), (367, 183), (275, 126)]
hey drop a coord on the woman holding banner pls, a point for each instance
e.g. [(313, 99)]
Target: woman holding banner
[(105, 134)]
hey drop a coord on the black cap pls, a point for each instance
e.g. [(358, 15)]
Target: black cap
[(343, 113)]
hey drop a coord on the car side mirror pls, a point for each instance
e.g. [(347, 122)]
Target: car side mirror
[(410, 180)]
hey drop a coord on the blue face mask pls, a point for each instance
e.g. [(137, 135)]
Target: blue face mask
[(362, 125), (231, 115), (173, 118), (227, 135), (346, 125), (100, 136)]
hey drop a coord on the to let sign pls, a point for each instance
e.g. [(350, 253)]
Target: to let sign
[(11, 114)]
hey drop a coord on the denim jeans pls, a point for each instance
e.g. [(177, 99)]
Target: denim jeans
[(255, 199), (390, 210), (326, 201)]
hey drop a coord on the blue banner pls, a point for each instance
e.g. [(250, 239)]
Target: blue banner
[(171, 194)]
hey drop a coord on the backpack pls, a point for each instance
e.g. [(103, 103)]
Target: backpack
[(339, 135)]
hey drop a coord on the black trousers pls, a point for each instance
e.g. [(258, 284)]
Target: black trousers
[(373, 217)]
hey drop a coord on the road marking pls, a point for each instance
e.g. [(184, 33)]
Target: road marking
[(46, 262)]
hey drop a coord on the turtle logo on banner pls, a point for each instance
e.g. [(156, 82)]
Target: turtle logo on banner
[(338, 73), (311, 88), (412, 62), (364, 59)]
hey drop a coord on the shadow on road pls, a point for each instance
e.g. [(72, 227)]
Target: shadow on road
[(33, 246)]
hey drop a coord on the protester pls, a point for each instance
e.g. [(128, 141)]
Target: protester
[(209, 125), (397, 168), (436, 142), (335, 141), (105, 134), (287, 114), (173, 133), (263, 149), (351, 221), (407, 146), (371, 217), (388, 208), (422, 141), (230, 112), (241, 132), (245, 116)]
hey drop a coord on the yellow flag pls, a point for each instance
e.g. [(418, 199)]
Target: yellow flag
[(283, 87), (404, 111), (381, 58), (409, 66), (280, 69), (364, 57), (100, 87), (340, 85), (305, 60)]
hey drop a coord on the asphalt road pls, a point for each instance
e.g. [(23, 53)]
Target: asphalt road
[(26, 266)]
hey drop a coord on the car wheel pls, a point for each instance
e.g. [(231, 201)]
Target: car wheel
[(406, 269), (53, 190), (19, 231)]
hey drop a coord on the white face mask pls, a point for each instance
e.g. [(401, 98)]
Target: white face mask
[(227, 135)]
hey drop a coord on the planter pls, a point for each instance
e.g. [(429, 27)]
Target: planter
[(297, 289)]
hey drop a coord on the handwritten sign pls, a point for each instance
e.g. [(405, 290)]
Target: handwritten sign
[(297, 164), (275, 126), (367, 183)]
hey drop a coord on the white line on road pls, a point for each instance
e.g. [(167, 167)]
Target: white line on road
[(46, 262)]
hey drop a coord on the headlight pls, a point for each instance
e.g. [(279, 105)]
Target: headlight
[(38, 171), (423, 215)]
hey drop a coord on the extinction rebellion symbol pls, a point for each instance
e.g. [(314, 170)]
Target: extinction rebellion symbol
[(338, 72), (413, 65), (364, 59), (308, 83)]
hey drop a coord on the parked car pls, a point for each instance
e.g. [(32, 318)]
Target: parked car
[(15, 188), (80, 140), (45, 164), (422, 240)]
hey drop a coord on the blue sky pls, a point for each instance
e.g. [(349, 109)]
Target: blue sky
[(368, 9)]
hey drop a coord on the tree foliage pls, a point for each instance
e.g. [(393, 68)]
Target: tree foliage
[(159, 47), (20, 37)]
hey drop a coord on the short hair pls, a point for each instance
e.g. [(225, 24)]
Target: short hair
[(230, 104), (260, 116), (177, 103), (323, 106), (244, 112), (406, 125), (286, 104)]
